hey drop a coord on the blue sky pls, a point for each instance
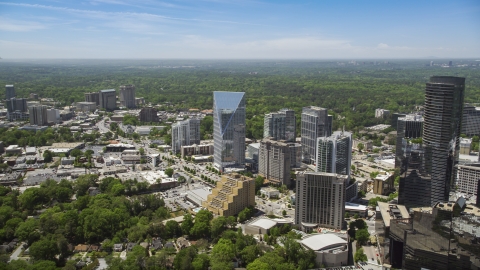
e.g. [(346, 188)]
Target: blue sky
[(239, 29)]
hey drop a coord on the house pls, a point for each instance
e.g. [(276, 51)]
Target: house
[(169, 245), (156, 244), (182, 243), (81, 248), (144, 245), (130, 246), (93, 191), (118, 247), (94, 248)]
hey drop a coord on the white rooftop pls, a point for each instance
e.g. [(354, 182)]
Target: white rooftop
[(354, 206), (264, 223), (323, 241)]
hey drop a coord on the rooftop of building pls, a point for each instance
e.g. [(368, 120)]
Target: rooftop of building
[(66, 145), (320, 242), (355, 206), (383, 176), (200, 193), (392, 211), (412, 117), (107, 90)]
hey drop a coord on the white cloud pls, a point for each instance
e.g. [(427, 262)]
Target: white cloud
[(19, 26)]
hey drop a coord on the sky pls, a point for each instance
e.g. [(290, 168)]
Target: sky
[(239, 29)]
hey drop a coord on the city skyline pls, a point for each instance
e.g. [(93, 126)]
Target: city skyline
[(207, 29)]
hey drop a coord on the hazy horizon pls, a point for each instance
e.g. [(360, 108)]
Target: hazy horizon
[(239, 29)]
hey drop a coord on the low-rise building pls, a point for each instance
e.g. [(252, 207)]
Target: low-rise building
[(330, 249), (196, 149), (13, 150), (383, 184), (234, 192), (198, 195), (270, 192), (263, 225), (353, 209), (67, 160)]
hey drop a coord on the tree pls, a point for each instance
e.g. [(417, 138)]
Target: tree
[(201, 262), (187, 223), (219, 224), (245, 214), (44, 249), (223, 252), (47, 156), (259, 183), (76, 153), (184, 258), (362, 236), (360, 147), (284, 213), (172, 229), (360, 256), (142, 151), (169, 172)]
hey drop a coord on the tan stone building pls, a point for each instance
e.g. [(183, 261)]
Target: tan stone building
[(383, 184), (234, 192), (274, 161)]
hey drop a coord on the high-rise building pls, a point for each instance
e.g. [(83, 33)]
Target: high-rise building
[(53, 115), (427, 170), (274, 161), (186, 132), (334, 153), (441, 131), (148, 114), (127, 96), (320, 200), (38, 115), (108, 99), (409, 126), (229, 129), (467, 178), (17, 104), (315, 123), (86, 106), (9, 91), (233, 193), (93, 97), (295, 155), (280, 125), (381, 113), (471, 120)]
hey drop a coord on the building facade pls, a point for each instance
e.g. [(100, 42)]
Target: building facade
[(9, 91), (108, 99), (382, 113), (441, 132), (409, 126), (280, 125), (233, 193), (295, 155), (334, 153), (38, 115), (93, 97), (127, 96), (86, 106), (320, 200), (274, 161), (471, 120), (467, 178), (53, 115), (315, 123), (186, 132), (229, 129), (197, 149), (17, 104), (148, 114)]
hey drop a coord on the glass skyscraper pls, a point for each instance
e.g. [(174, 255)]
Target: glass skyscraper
[(280, 125), (228, 129)]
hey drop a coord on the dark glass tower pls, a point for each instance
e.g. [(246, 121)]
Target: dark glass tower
[(441, 132)]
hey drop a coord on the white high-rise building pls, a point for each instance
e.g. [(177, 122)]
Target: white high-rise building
[(320, 200), (334, 153), (315, 123), (229, 129), (186, 132)]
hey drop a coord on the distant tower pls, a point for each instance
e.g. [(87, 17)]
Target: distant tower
[(186, 132), (334, 153), (38, 115), (315, 123), (280, 125), (409, 126), (108, 99), (127, 96), (274, 161), (93, 97), (9, 91), (229, 129)]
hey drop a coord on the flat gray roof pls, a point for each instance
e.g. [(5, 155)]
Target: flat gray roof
[(323, 241)]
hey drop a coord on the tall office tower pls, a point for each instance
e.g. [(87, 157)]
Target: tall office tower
[(295, 155), (93, 97), (127, 96), (148, 114), (441, 131), (38, 115), (409, 126), (320, 200), (9, 91), (334, 153), (315, 123), (186, 132), (280, 125), (229, 129), (108, 99), (274, 161), (17, 104), (467, 178), (53, 115), (471, 120)]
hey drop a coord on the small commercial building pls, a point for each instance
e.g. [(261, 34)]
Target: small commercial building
[(383, 184), (13, 150), (270, 192), (263, 225), (356, 209)]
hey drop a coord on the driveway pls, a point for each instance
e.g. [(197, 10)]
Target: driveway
[(17, 252)]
